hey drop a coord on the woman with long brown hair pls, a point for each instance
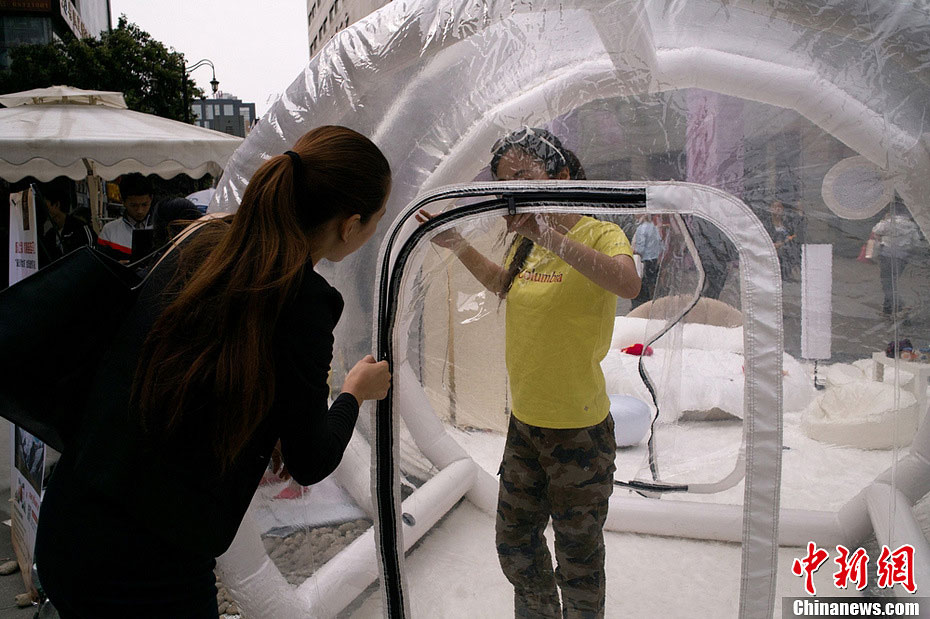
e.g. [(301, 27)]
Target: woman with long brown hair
[(225, 354)]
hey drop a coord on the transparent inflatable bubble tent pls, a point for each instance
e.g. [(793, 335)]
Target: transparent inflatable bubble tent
[(780, 150)]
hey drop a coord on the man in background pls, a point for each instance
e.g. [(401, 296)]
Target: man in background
[(64, 230), (898, 237), (116, 237), (647, 244)]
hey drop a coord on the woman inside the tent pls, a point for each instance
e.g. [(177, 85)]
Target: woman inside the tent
[(225, 354), (561, 278)]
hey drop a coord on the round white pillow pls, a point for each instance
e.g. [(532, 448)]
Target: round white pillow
[(632, 418)]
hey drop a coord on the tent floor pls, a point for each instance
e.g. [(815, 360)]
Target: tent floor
[(453, 571)]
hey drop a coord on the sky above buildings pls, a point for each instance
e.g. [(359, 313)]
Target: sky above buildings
[(257, 47)]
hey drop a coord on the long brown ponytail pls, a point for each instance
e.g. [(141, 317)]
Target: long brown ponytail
[(211, 351)]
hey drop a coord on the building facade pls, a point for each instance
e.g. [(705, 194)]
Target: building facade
[(327, 17), (24, 22), (225, 113)]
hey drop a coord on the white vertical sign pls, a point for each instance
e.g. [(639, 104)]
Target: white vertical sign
[(27, 452), (24, 259), (816, 300)]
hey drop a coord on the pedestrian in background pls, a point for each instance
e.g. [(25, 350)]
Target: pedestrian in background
[(116, 236), (647, 244), (65, 229), (898, 236)]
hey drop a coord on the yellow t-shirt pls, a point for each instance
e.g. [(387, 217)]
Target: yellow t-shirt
[(559, 325)]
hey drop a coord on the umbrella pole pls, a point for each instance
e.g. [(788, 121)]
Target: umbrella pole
[(95, 194)]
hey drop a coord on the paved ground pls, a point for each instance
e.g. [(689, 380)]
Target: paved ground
[(858, 328), (858, 325)]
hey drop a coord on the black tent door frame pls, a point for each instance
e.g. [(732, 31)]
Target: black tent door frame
[(506, 198), (760, 286)]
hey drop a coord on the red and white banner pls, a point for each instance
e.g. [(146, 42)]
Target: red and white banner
[(24, 257), (28, 452)]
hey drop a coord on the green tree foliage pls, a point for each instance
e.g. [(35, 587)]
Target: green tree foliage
[(126, 59)]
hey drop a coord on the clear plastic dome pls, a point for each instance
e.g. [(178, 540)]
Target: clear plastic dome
[(768, 146)]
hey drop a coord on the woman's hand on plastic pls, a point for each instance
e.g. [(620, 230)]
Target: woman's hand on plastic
[(368, 380), (450, 239), (531, 225)]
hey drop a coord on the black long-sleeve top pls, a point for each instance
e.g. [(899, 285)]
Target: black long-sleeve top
[(174, 491)]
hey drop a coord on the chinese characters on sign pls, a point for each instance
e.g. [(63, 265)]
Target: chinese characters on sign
[(42, 6), (71, 16), (23, 260), (27, 249), (893, 567)]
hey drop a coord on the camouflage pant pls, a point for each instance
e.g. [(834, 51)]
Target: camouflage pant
[(568, 475)]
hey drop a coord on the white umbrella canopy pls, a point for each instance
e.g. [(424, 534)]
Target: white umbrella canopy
[(58, 131)]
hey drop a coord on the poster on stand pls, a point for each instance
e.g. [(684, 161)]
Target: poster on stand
[(24, 260), (26, 484), (28, 452)]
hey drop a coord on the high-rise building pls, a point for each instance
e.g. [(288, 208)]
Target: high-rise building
[(225, 112), (327, 17), (24, 22)]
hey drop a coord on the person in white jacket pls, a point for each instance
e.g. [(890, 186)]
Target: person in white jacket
[(898, 236), (116, 236)]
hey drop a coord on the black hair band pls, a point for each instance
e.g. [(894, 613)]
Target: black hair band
[(298, 168), (299, 188), (295, 158)]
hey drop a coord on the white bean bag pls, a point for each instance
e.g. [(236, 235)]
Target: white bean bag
[(867, 367), (696, 368), (862, 414), (840, 374), (629, 331)]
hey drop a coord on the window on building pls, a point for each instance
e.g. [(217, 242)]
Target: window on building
[(24, 30), (209, 110), (196, 111), (228, 109)]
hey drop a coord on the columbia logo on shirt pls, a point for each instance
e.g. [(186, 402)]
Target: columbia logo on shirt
[(545, 278)]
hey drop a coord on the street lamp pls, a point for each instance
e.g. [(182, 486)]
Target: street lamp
[(214, 83)]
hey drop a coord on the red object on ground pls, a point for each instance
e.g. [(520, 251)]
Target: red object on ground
[(637, 350), (292, 491)]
